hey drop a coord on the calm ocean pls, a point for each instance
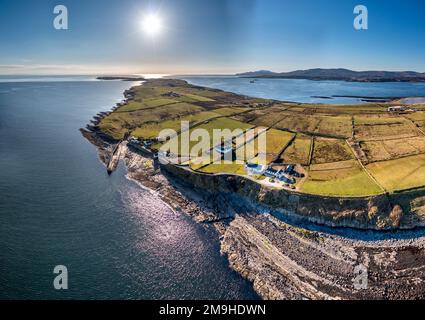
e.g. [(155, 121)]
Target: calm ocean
[(59, 207)]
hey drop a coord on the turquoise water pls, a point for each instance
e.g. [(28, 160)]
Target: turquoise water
[(58, 206), (308, 91)]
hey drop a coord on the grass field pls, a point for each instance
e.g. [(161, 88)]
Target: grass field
[(250, 116), (345, 178), (392, 146), (146, 104), (225, 123), (250, 149), (399, 174), (229, 111), (295, 123), (224, 168), (152, 130), (297, 109), (198, 97), (298, 152), (331, 150), (392, 149), (118, 124), (383, 127), (337, 126), (417, 116), (202, 142), (269, 119), (372, 119), (276, 140)]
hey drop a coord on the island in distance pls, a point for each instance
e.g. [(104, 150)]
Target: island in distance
[(122, 78), (340, 74)]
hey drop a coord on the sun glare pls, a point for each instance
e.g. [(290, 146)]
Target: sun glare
[(152, 24)]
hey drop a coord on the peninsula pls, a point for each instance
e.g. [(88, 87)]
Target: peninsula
[(369, 158), (327, 166)]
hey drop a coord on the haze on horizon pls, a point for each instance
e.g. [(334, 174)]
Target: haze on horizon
[(209, 37)]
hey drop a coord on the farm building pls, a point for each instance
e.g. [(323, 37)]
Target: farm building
[(397, 109), (271, 173)]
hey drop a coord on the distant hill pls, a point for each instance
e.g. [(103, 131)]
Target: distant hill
[(123, 78), (340, 74)]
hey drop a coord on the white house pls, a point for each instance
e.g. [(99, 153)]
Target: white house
[(255, 169)]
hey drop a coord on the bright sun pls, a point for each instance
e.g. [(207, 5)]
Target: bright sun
[(152, 24)]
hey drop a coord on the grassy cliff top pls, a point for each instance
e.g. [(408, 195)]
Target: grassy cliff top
[(344, 150)]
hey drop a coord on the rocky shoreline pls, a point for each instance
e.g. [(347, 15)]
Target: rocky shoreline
[(285, 256), (286, 260)]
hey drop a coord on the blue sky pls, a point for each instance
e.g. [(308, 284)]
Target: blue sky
[(209, 36)]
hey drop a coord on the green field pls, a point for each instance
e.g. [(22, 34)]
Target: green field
[(383, 127), (298, 152), (391, 149), (339, 147), (399, 174), (146, 104), (118, 124), (152, 130), (276, 141), (224, 168), (229, 111), (212, 128), (196, 97), (342, 179)]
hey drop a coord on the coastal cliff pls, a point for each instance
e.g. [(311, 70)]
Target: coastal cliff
[(286, 260), (291, 245), (383, 212)]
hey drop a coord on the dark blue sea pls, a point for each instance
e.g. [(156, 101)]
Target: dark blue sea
[(58, 206)]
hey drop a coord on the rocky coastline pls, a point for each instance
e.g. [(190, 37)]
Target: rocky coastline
[(288, 259), (283, 256)]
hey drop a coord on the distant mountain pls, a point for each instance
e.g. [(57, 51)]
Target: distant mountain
[(123, 78), (257, 73), (340, 74)]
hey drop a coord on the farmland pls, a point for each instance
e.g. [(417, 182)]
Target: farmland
[(277, 140), (342, 150), (345, 178), (331, 150), (399, 174), (119, 123), (152, 130), (298, 151)]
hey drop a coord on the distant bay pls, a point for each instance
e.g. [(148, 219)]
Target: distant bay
[(308, 91)]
